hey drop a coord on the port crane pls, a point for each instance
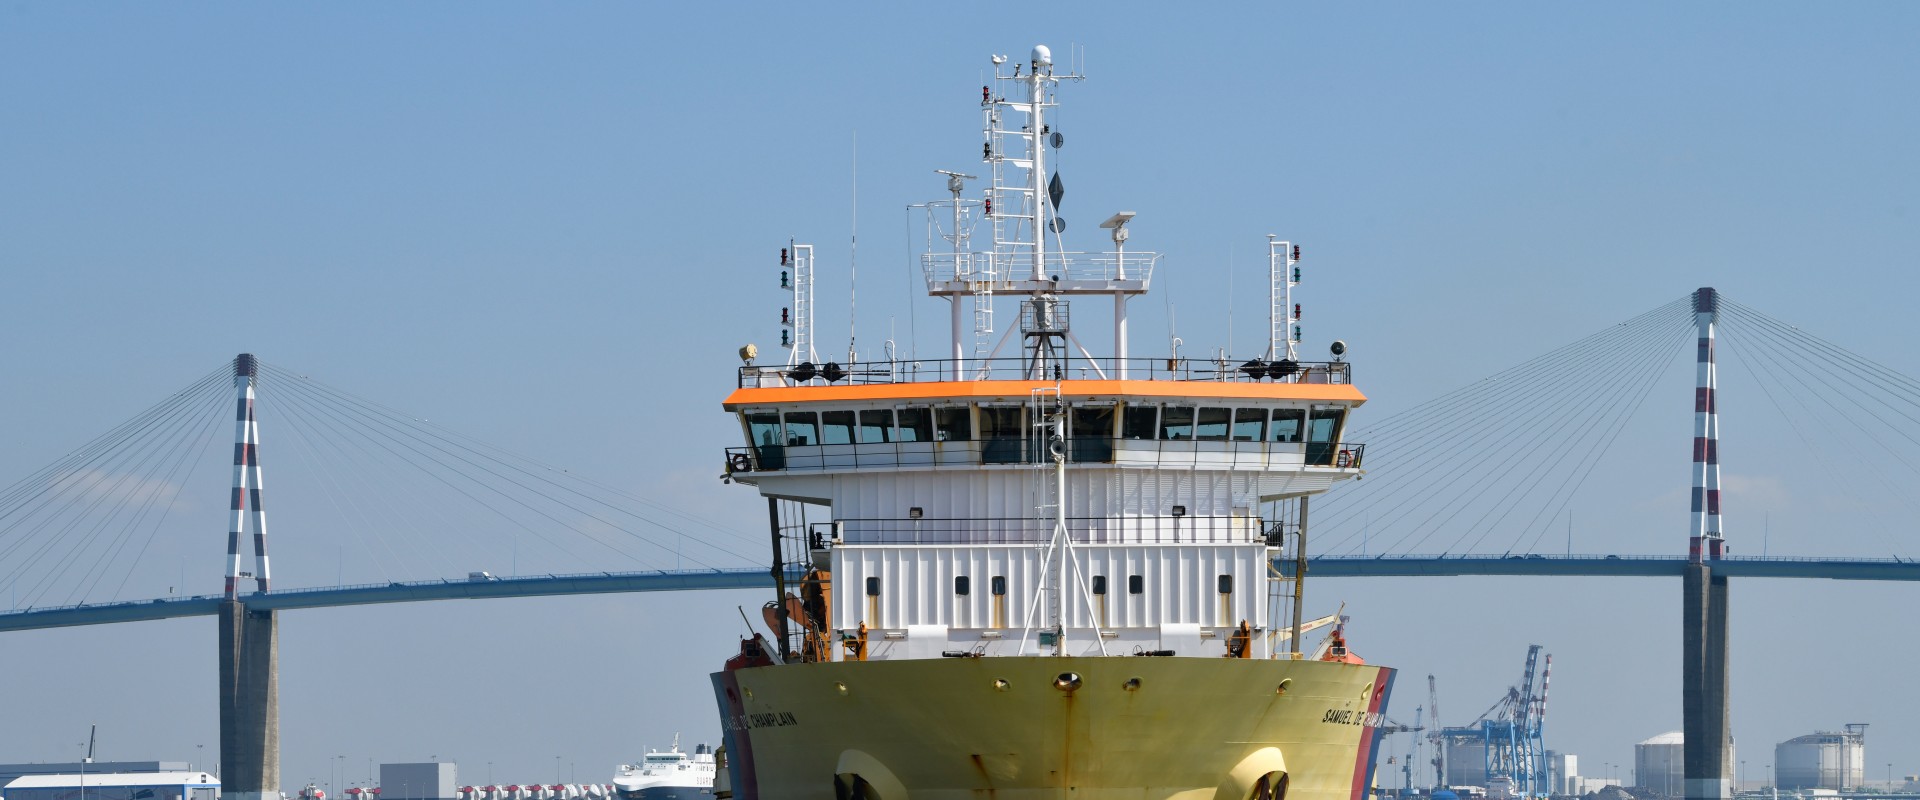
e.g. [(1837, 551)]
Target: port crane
[(1435, 739), (1406, 761), (1511, 733)]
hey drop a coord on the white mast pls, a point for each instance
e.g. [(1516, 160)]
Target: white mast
[(1284, 317), (800, 314), (1024, 223), (962, 263), (1037, 80)]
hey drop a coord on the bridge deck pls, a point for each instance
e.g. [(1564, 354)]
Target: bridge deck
[(666, 581)]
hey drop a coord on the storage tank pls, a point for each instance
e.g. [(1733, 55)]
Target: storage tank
[(1659, 765), (1822, 760)]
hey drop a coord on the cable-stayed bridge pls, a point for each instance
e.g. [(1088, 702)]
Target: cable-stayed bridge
[(1384, 566), (1483, 475)]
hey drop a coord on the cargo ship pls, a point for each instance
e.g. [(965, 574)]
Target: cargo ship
[(1022, 570)]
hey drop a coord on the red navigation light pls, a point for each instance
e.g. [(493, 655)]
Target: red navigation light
[(1296, 252), (985, 95), (783, 256), (1296, 310), (989, 206)]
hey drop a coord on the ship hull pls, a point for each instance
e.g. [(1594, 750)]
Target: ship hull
[(1004, 728), (670, 793)]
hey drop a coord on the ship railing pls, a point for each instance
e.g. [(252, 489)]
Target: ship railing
[(938, 370), (1157, 453), (975, 270), (1121, 529)]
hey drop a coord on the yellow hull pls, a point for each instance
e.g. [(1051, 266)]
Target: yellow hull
[(1005, 728)]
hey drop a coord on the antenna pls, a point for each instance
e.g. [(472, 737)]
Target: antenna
[(853, 251)]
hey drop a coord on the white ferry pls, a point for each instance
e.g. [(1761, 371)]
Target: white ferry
[(668, 775)]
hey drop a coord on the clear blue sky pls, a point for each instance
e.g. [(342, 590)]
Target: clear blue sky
[(549, 227)]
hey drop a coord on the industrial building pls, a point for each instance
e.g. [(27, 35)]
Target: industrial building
[(1823, 760), (114, 786), (10, 771), (1563, 773), (431, 780)]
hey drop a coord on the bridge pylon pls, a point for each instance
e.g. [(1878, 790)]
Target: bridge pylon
[(249, 638), (1706, 761)]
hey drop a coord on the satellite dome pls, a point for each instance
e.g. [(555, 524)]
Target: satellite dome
[(1042, 56)]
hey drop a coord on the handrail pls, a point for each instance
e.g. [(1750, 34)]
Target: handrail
[(1130, 529), (940, 370), (1160, 453)]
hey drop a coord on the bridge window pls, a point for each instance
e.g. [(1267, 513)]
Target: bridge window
[(1176, 422), (1001, 429), (803, 428), (1323, 429), (1136, 584), (836, 427), (1000, 422), (876, 427), (962, 585), (1325, 425), (763, 428), (999, 586), (1212, 424), (916, 425), (1100, 584), (1139, 422), (1226, 584), (873, 587), (1092, 434), (954, 423), (1249, 424), (1286, 425), (1092, 421)]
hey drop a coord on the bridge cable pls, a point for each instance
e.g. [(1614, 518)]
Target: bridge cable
[(430, 452), (509, 458), (1805, 348), (67, 492), (440, 450), (1548, 388), (1592, 407), (320, 413), (1534, 387)]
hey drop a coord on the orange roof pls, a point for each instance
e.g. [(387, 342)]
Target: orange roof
[(1021, 390)]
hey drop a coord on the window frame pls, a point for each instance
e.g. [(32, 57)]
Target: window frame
[(1260, 435), (860, 426), (787, 422)]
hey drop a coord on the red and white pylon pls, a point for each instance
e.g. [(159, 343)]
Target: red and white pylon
[(1707, 542), (246, 479)]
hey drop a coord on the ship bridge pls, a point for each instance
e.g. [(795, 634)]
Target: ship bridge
[(905, 416)]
